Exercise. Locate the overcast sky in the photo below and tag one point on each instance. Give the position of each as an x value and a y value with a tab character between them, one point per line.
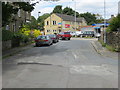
82	6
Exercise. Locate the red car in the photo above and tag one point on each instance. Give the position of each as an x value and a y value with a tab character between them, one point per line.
64	35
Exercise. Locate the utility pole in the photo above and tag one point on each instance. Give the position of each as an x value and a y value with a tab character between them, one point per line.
75	14
104	21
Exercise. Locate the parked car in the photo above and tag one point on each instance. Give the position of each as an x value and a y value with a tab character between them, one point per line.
65	35
88	34
78	33
54	38
43	40
97	35
72	34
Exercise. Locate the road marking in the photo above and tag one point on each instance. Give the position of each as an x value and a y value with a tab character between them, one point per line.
75	56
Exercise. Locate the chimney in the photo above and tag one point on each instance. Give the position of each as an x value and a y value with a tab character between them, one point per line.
112	16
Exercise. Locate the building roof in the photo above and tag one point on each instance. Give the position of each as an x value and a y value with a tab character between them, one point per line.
69	18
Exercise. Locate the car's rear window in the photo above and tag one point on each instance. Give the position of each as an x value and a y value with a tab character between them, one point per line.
66	32
41	37
52	36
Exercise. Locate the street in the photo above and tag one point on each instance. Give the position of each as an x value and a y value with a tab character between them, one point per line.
66	64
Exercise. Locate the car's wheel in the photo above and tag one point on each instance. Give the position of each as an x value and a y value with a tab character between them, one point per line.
36	45
68	38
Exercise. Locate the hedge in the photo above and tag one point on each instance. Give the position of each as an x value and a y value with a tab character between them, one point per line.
7	35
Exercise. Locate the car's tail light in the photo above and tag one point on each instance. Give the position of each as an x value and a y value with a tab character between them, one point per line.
52	38
45	40
36	40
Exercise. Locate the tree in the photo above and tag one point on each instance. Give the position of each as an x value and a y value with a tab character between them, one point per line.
41	19
33	24
57	9
70	11
7	11
90	18
12	8
114	24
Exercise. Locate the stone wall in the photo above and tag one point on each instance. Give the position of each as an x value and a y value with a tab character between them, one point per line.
6	45
113	39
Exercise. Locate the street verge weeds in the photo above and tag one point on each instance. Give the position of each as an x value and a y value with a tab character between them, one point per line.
104	51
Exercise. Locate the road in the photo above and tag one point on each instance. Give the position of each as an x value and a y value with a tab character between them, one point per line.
67	64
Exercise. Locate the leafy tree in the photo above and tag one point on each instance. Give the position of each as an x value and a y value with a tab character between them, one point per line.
70	11
41	19
10	8
33	24
7	11
57	9
114	24
90	18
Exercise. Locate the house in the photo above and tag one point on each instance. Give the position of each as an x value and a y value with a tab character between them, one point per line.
18	19
57	23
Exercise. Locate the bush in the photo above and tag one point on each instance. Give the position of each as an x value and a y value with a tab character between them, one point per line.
7	35
21	37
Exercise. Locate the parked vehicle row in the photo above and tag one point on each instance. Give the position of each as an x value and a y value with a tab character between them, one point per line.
52	38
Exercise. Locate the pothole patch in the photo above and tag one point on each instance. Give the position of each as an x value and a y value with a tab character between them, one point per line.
33	62
37	63
90	69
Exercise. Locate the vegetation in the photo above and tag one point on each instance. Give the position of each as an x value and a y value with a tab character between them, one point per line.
110	48
33	24
8	10
7	35
114	24
57	9
41	19
90	18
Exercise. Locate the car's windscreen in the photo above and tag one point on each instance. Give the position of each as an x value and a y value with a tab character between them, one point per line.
66	32
41	37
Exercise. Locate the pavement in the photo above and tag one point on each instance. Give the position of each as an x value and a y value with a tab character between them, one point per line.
104	51
66	64
15	50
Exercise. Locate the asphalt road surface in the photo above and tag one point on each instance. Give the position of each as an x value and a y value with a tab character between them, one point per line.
67	64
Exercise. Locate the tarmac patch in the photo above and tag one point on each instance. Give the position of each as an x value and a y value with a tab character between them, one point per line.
90	69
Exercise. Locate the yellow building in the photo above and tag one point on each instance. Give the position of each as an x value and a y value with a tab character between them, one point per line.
57	23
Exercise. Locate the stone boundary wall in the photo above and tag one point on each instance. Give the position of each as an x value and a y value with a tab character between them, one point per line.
113	39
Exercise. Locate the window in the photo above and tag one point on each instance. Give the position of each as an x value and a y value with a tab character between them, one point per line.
54	30
48	30
47	23
54	22
19	14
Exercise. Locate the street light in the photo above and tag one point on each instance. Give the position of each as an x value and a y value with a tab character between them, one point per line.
75	14
104	21
38	18
38	14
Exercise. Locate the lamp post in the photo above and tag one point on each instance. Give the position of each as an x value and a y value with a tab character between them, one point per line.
75	14
38	14
104	21
38	18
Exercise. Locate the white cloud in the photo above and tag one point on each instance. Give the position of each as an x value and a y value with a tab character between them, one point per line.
93	6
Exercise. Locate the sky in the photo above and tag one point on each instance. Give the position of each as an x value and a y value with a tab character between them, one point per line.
82	6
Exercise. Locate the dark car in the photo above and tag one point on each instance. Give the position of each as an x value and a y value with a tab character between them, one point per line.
64	35
43	40
54	38
88	34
